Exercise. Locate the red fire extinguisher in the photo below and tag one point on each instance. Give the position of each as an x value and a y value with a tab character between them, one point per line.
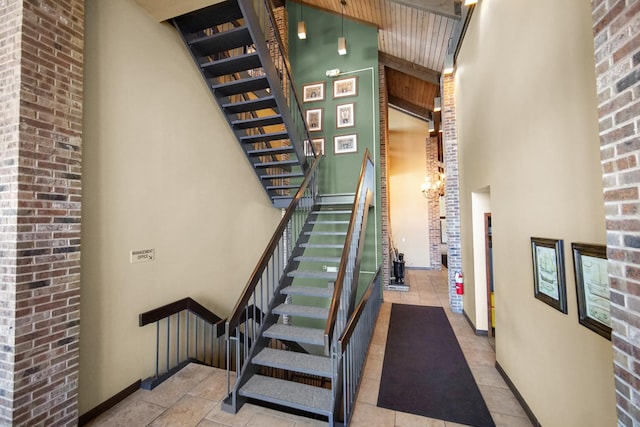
459	283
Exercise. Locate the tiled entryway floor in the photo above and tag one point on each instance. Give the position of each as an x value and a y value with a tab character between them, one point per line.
192	396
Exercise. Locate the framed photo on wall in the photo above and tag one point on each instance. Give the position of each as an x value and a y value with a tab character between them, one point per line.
314	119
345	144
313	92
318	147
548	272
592	286
345	115
345	87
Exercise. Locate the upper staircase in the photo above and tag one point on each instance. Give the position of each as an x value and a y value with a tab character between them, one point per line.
239	53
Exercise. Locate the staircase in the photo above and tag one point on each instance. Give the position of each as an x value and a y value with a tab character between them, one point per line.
240	57
299	318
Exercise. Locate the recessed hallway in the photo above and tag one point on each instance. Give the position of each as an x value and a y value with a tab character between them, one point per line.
192	397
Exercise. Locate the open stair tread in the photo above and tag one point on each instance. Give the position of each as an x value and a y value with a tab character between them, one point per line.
231	65
276	163
255	122
209	17
296	333
329	222
302	311
321	246
287	393
223	41
294	361
272	136
249	84
309	291
284	175
250	105
330	212
313	274
275	150
325	233
335	260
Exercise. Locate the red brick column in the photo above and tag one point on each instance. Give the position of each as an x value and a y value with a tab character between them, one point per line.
452	187
617	52
41	48
433	203
384	175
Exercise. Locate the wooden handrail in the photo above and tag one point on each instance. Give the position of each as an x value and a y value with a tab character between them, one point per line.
170	309
357	313
238	310
337	291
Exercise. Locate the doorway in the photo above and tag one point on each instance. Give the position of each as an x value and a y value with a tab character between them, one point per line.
488	244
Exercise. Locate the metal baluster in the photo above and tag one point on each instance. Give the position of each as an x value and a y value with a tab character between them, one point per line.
157	346
178	338
168	340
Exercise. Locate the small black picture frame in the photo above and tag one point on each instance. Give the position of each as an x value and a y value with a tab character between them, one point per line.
549	283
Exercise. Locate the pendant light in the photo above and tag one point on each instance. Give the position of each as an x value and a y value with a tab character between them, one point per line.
342	42
302	28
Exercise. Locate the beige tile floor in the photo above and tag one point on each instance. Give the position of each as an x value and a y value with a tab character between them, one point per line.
192	397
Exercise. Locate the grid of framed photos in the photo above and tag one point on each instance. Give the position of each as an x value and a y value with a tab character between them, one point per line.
345	115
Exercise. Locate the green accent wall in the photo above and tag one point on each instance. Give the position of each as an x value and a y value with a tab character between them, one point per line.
310	59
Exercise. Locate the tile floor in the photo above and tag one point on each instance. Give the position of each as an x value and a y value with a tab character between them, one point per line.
192	396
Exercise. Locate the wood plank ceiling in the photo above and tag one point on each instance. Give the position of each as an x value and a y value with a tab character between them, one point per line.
413	39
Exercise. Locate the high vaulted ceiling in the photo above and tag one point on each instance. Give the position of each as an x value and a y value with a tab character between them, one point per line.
414	37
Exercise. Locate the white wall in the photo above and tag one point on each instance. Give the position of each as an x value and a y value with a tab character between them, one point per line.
528	129
407	171
161	170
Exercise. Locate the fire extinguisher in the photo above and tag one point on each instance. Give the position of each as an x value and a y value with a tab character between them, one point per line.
459	283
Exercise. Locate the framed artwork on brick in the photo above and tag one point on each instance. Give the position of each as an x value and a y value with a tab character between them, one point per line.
592	287
549	283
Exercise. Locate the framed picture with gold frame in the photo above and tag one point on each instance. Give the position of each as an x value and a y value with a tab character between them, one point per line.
314	119
345	87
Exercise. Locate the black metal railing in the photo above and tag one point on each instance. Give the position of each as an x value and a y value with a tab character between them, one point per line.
185	332
354	343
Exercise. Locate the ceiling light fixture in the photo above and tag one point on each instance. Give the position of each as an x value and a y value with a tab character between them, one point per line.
302	28
342	42
470	2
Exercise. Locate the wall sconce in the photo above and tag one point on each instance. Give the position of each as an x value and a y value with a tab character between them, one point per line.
342	42
437	104
431	189
432	127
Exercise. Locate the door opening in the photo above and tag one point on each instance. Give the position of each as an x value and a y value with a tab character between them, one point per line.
491	330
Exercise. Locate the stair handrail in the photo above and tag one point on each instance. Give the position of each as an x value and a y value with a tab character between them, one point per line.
297	114
199	325
354	343
237	312
361	204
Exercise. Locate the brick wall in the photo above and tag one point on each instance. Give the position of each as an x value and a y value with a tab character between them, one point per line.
433	203
452	187
384	175
40	196
616	32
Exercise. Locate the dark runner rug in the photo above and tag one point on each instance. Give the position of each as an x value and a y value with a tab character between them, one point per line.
425	372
